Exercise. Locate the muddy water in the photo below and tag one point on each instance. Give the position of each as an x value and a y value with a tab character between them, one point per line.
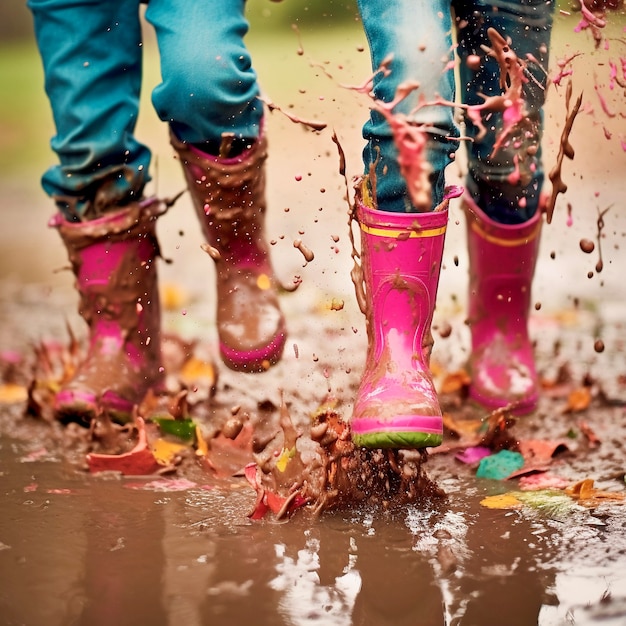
77	549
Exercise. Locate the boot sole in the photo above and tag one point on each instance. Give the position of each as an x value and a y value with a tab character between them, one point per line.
254	361
410	432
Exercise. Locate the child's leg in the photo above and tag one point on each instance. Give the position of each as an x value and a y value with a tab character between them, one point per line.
209	98
502	204
527	24
208	87
91	54
418	36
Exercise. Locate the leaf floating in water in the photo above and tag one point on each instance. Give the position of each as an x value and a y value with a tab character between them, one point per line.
139	461
500	466
587	495
502	501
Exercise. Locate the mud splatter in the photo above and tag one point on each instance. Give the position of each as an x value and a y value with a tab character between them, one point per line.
565	150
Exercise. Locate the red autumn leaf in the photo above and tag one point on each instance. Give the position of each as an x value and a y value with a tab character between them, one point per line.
139	461
268	500
226	456
592	438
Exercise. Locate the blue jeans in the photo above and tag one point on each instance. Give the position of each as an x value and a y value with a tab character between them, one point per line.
419	35
92	58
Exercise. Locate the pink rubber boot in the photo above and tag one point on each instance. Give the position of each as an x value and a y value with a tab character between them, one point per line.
114	261
502	265
396	405
229	197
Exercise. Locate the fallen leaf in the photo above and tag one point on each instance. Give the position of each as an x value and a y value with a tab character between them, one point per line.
541	449
473	454
139	461
500	465
502	501
173	296
268	500
165	452
587	495
196	372
202	447
545	480
455	381
578	400
10	393
592	438
184	429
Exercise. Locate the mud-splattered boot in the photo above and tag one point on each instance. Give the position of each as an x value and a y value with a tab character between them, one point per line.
229	197
502	265
114	261
396	404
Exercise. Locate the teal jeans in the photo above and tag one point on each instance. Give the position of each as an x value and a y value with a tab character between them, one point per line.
92	58
419	36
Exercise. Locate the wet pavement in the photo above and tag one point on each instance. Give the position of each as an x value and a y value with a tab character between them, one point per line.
81	549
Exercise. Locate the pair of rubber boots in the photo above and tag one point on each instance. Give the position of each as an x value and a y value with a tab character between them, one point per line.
114	261
401	253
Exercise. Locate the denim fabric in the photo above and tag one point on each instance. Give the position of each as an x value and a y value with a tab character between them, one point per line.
92	59
419	35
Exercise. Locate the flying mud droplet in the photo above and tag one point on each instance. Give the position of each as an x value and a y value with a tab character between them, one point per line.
537	306
444	330
587	246
473	62
232	427
307	253
214	253
336	304
598	346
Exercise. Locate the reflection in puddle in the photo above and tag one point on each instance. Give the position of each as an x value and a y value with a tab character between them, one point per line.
82	550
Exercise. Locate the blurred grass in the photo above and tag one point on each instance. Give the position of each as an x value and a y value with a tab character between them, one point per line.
26	124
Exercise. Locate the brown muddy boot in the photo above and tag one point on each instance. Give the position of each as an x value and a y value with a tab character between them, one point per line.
114	261
229	197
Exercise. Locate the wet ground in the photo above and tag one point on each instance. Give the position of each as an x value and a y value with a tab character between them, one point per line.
82	549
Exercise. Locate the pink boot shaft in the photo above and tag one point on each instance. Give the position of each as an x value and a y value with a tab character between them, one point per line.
396	405
502	265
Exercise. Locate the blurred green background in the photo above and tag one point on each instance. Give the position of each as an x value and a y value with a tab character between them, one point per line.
25	120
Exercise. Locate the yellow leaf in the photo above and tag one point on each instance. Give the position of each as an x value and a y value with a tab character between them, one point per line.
455	381
196	371
579	399
202	448
588	495
11	393
165	451
502	501
285	456
173	297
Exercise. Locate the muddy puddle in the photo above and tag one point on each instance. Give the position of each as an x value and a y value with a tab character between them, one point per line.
79	548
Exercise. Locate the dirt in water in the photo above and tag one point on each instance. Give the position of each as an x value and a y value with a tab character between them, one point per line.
180	546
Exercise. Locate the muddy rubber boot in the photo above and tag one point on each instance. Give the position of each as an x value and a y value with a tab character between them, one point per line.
396	405
229	197
502	266
114	261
